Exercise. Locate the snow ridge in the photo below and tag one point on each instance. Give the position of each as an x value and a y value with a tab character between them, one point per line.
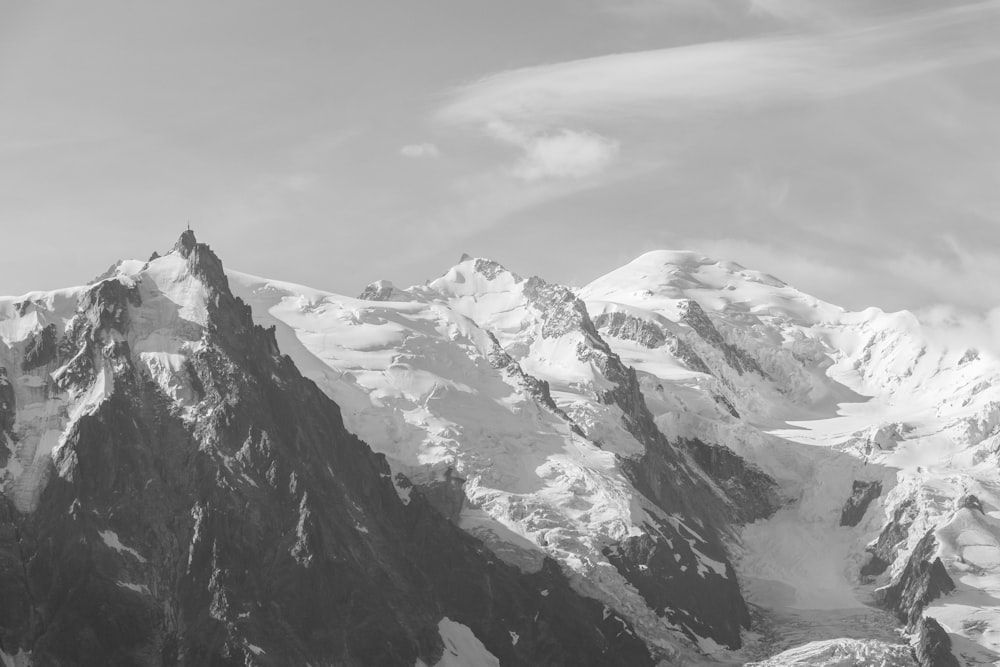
517	405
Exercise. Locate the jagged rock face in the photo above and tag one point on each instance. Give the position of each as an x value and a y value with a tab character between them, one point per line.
925	398
969	501
703	605
754	494
883	551
932	647
713	606
223	515
8	403
490	269
921	581
563	312
616	324
620	325
445	495
41	348
532	335
727	405
652	335
656	564
538	389
694	316
683	492
862	495
683	351
380	290
182	496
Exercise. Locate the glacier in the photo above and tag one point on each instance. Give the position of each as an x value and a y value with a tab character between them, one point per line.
526	413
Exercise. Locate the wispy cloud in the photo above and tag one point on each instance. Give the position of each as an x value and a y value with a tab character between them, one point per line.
963	328
965	279
420	150
758	71
476	203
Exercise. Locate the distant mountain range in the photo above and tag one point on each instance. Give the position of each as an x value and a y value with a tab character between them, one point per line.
684	462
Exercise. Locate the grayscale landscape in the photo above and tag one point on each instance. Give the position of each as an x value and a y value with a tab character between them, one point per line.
466	334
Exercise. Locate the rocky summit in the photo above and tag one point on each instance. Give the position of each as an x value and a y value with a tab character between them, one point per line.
684	462
192	499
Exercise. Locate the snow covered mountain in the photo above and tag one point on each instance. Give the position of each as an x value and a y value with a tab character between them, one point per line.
499	395
741	374
175	492
849	412
684	462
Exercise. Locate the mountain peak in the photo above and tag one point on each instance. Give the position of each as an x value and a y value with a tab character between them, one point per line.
690	262
684	258
476	276
202	262
382	290
186	243
484	266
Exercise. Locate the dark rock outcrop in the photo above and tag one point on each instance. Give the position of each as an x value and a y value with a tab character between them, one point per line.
921	581
18	614
971	502
885	548
259	532
561	311
537	389
41	348
668	472
651	336
627	327
703	604
8	403
694	316
534	387
727	405
381	290
932	647
753	492
490	269
445	494
663	562
681	349
862	495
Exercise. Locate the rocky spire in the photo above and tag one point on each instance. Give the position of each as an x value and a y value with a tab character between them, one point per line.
219	536
186	243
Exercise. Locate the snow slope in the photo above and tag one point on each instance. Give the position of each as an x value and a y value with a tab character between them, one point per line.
818	397
414	379
840	396
486	387
167	322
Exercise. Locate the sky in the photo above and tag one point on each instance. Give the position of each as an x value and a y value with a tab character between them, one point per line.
850	148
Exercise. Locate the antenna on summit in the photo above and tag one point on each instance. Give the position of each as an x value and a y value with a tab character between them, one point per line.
189	224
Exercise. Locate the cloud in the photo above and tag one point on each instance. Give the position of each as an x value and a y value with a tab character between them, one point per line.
739	74
966	278
566	154
879	275
420	150
559	154
962	328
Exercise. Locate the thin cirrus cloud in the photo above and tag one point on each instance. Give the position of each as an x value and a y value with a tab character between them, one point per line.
874	126
667	82
425	150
